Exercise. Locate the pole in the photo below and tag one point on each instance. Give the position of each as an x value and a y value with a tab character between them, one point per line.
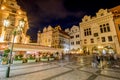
10	56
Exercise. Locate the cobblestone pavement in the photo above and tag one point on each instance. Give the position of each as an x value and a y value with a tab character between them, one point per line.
79	69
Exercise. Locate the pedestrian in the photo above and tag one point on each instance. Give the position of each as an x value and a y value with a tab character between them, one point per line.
98	59
94	61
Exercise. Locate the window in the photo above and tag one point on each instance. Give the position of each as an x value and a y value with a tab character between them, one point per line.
87	32
108	27
85	41
105	28
95	34
7	37
14	11
77	36
92	40
72	37
76	30
101	30
109	38
103	39
90	31
119	27
77	42
102	14
72	43
12	18
12	4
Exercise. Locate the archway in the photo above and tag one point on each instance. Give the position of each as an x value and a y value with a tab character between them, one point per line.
109	50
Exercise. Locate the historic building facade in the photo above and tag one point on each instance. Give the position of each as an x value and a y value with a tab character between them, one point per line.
54	37
74	33
45	38
116	13
98	33
11	18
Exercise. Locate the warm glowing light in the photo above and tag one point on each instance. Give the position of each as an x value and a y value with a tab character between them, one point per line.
100	47
3	7
49	45
21	23
2	39
19	12
6	22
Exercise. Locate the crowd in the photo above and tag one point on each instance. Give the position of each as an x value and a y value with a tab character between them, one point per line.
101	61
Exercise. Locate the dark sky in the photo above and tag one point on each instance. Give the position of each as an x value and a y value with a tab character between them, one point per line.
65	13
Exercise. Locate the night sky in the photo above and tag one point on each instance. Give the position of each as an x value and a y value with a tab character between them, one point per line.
65	13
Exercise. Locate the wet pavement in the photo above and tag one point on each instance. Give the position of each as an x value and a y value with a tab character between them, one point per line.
71	68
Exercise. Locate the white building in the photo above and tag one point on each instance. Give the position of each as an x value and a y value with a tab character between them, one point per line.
98	33
74	33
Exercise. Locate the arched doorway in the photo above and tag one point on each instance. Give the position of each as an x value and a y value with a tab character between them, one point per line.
109	50
95	49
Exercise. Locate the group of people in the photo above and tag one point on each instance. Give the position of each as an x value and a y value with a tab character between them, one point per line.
100	60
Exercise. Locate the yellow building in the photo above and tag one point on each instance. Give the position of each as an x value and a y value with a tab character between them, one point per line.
11	17
116	13
54	37
45	38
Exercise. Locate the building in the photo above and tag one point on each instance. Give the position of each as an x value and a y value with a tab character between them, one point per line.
54	37
116	13
74	33
11	18
98	33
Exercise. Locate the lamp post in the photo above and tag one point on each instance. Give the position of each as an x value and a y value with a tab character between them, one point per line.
15	32
6	23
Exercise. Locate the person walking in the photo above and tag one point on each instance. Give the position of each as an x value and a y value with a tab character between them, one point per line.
94	61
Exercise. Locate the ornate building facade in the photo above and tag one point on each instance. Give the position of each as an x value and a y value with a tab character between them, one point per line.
98	33
116	12
11	18
74	33
54	37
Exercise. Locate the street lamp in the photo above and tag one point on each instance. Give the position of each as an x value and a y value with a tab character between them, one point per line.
6	23
15	32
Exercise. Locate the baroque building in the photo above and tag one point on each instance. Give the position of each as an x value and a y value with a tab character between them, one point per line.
98	33
74	33
54	37
12	13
